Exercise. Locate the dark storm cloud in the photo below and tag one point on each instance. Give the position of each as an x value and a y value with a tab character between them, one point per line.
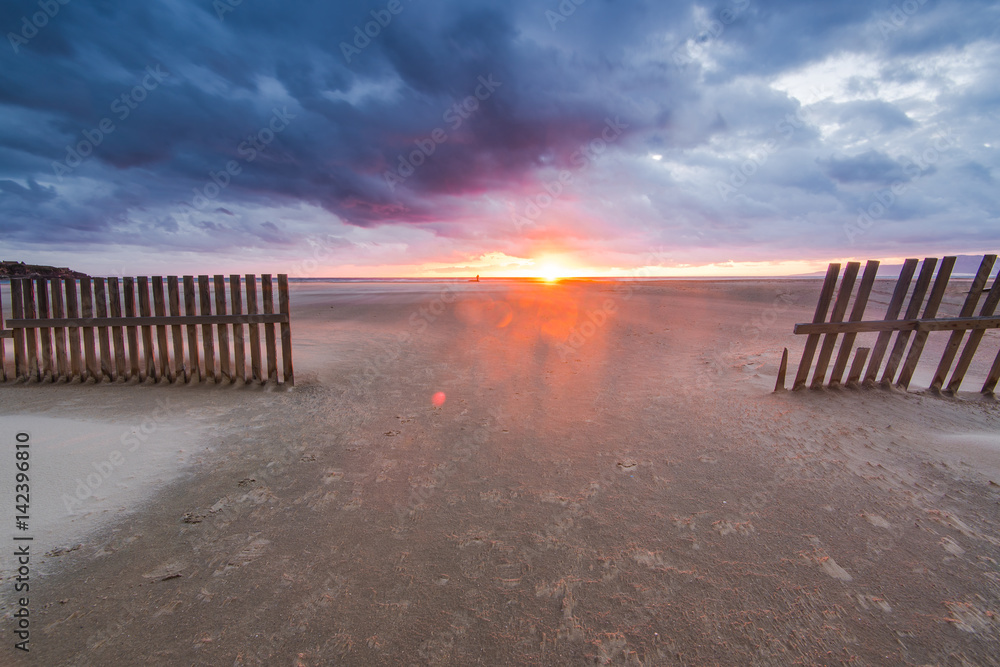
121	115
869	167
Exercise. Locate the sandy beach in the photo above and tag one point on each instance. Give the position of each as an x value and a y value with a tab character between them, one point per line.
517	472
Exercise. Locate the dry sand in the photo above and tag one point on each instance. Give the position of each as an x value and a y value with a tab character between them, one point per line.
625	492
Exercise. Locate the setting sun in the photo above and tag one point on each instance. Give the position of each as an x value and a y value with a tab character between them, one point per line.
550	268
550	273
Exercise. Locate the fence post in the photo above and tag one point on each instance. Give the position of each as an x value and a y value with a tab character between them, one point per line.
891	313
839	310
912	310
267	290
87	308
103	334
254	329
207	333
192	329
17	311
969	307
132	332
286	329
821	307
173	295
857	314
933	303
239	351
3	349
149	354
58	312
989	307
159	308
44	333
117	333
220	309
73	311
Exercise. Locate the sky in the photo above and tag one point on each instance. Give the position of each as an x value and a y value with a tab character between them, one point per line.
446	138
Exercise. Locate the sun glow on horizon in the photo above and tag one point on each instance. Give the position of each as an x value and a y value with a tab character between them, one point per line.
550	273
551	270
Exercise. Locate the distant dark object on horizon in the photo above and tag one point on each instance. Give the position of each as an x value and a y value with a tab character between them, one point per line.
10	269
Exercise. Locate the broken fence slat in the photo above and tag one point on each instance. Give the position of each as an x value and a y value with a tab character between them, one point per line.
857	312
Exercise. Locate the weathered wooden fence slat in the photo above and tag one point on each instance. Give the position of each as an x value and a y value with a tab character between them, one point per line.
839	310
286	329
149	354
272	352
105	329
132	332
220	309
829	284
17	310
159	307
117	333
251	283
173	295
42	294
3	351
989	307
912	330
207	333
912	310
968	308
891	313
58	311
859	363
103	333
239	351
72	311
920	339
857	312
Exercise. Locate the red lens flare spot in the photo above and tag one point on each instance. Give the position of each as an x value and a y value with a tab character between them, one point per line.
438	399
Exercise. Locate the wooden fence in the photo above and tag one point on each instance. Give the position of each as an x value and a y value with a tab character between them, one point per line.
91	328
918	321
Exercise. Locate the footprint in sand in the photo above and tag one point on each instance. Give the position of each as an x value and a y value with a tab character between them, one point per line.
248	554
